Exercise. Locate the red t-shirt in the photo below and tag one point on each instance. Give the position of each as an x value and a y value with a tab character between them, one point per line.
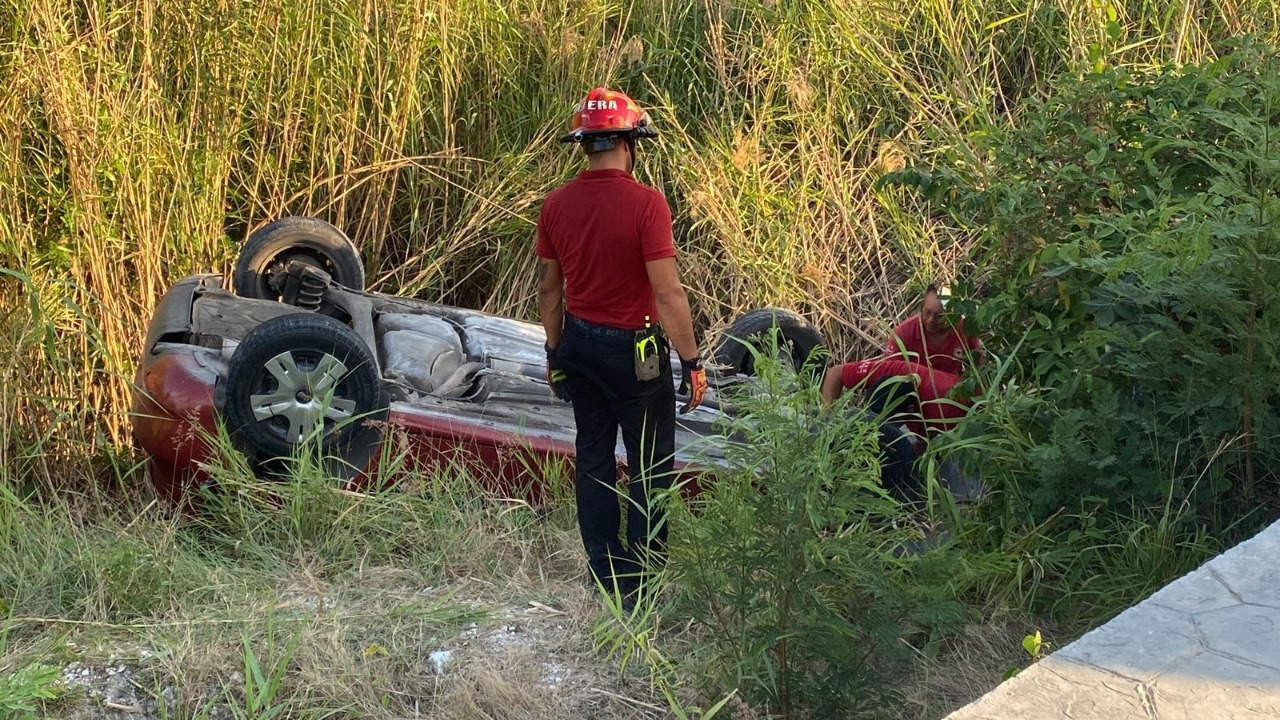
603	227
938	410
949	356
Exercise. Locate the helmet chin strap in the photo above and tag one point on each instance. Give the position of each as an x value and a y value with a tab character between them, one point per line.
631	155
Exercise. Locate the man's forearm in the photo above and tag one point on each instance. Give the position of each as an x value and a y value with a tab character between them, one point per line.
832	384
551	309
677	322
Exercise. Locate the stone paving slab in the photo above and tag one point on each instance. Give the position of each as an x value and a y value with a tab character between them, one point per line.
1205	647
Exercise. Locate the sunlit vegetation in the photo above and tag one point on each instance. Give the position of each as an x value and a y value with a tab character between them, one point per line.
140	142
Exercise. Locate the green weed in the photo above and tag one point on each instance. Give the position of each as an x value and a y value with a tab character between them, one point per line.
20	691
260	693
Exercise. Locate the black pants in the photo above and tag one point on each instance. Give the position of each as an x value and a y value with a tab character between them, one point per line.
893	399
600	366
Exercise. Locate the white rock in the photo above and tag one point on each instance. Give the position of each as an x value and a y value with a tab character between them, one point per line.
439	659
554	675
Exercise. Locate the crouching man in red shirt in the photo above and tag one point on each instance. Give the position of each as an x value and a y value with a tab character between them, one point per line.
929	337
924	357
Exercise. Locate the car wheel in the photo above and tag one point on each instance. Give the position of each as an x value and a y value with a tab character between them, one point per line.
300	378
797	341
271	248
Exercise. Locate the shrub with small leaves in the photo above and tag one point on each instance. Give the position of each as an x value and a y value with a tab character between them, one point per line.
791	562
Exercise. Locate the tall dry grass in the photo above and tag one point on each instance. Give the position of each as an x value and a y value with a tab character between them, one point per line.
140	141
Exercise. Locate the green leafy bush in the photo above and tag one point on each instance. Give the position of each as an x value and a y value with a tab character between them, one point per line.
793	563
1128	261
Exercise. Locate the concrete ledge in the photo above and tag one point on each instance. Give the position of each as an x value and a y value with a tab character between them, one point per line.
1205	647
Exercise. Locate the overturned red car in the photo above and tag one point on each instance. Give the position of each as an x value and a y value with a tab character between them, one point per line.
291	350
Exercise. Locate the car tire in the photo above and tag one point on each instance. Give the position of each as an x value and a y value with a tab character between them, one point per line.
270	249
751	332
298	376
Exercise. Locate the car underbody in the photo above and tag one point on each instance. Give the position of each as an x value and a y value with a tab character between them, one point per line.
466	381
290	352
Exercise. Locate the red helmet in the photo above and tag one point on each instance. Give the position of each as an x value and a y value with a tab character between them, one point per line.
605	115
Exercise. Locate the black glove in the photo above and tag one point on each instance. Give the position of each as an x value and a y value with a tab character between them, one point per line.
693	380
556	377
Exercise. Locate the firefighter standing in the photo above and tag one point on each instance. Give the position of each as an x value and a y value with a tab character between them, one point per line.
607	275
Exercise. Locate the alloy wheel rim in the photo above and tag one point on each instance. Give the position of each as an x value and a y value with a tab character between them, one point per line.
303	402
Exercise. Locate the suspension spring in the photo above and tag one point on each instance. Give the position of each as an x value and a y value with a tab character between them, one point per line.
310	291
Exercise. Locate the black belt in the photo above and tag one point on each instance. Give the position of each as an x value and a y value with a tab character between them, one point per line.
601	330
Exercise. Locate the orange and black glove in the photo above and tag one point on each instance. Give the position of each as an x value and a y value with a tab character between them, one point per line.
556	377
693	380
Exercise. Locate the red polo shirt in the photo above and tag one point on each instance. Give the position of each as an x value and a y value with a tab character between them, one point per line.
603	227
949	356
